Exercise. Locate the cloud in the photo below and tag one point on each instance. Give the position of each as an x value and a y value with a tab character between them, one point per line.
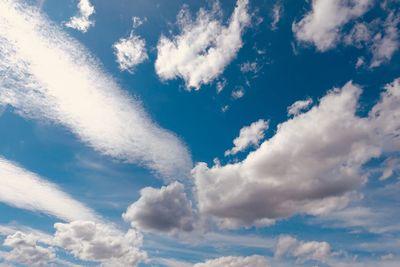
385	45
81	21
312	250
49	76
323	24
249	136
277	11
200	53
231	261
92	241
297	107
281	178
130	51
162	210
26	250
26	190
239	93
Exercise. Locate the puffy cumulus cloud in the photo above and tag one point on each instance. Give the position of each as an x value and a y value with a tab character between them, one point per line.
26	250
131	51
312	250
249	136
162	210
203	49
238	93
231	261
297	107
48	75
26	190
92	241
81	21
312	165
323	24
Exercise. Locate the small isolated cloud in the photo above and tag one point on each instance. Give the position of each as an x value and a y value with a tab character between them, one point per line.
82	21
51	77
130	52
26	250
249	136
281	179
92	241
162	210
302	251
322	26
249	67
239	93
297	107
200	53
277	11
232	261
221	85
26	190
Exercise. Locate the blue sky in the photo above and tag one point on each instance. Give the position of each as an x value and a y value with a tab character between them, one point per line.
199	133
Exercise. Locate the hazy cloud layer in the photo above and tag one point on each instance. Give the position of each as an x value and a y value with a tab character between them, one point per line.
26	190
231	261
50	76
204	47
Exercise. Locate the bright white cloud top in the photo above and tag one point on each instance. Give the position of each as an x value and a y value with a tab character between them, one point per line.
203	49
47	75
282	178
249	136
130	52
232	261
26	190
82	21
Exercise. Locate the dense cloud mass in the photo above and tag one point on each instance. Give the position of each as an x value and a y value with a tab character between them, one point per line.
311	165
91	241
231	261
162	210
203	49
47	75
130	52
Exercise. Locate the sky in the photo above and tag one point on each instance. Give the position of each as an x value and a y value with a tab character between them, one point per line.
242	133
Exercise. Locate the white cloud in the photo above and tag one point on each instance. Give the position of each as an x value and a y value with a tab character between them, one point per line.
50	76
277	11
312	250
130	52
281	178
297	107
249	136
323	24
232	261
386	44
239	93
221	85
137	22
162	210
81	21
249	67
23	189
203	49
26	250
92	241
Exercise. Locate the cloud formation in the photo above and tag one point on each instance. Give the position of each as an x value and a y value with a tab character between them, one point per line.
281	178
323	24
303	251
232	261
92	241
200	53
26	190
162	210
130	52
249	136
297	107
82	21
49	76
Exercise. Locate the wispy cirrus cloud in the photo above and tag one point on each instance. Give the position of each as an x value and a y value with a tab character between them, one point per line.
47	75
